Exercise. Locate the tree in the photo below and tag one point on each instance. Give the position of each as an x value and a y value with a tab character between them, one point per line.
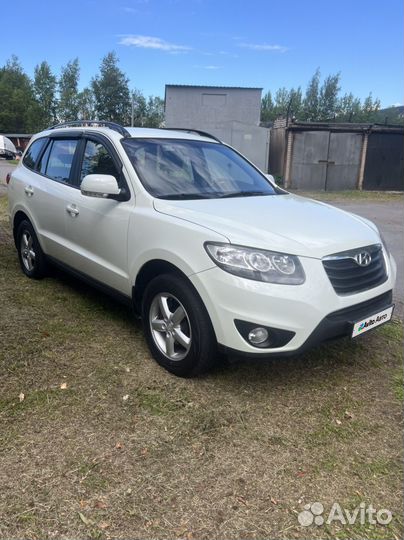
139	108
349	108
370	108
68	108
86	104
154	112
311	99
281	104
111	91
328	102
45	94
267	108
19	112
295	102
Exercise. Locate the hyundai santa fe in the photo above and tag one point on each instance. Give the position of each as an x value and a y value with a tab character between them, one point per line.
209	251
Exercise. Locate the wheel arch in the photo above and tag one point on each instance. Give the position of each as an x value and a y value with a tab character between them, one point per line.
149	271
19	217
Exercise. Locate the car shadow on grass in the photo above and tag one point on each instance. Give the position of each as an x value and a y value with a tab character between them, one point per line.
325	364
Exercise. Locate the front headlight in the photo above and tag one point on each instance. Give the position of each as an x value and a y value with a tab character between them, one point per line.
257	264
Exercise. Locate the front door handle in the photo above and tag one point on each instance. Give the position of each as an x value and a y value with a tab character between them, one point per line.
72	210
29	191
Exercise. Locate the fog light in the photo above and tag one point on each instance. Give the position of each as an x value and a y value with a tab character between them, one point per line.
258	336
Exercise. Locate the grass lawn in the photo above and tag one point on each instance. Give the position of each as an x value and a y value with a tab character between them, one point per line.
97	441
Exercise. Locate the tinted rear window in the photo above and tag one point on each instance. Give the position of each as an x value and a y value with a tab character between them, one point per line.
31	157
61	159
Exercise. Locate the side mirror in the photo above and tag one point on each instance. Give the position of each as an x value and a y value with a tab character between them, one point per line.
271	178
100	185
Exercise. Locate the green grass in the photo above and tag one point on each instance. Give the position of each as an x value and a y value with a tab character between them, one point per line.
140	453
398	383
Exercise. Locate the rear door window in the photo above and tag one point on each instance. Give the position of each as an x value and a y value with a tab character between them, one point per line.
60	161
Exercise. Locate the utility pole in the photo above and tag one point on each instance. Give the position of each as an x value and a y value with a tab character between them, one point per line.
132	120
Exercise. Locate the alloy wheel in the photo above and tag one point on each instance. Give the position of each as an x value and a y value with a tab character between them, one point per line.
27	251
170	326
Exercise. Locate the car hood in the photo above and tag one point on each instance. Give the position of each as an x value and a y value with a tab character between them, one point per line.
285	223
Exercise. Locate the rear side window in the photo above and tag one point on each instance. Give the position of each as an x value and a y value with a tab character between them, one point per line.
43	162
33	152
60	159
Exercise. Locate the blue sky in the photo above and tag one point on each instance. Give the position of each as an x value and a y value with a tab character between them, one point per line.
265	43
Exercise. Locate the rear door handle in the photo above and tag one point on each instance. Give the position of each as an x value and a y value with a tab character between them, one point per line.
29	191
72	210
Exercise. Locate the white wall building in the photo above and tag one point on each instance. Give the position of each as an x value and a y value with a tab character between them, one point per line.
230	113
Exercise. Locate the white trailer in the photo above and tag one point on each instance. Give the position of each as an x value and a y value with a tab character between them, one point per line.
7	148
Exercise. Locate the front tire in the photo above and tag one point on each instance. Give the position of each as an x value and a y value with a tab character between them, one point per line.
32	258
177	326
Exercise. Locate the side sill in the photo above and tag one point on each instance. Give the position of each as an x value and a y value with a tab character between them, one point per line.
109	291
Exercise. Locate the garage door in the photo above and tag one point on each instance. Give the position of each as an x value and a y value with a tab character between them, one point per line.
325	161
384	168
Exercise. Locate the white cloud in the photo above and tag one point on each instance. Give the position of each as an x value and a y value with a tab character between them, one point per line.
151	42
264	47
210	66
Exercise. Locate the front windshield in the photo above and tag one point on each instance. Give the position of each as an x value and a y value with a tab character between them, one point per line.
181	169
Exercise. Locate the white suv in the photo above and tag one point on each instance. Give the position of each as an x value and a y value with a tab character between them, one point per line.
208	250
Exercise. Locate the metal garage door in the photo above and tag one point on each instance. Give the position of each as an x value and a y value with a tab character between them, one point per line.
325	161
343	161
384	167
309	160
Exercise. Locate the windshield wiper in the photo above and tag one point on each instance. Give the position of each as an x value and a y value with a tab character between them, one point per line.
243	194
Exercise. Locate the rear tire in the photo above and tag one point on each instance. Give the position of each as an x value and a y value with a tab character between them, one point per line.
32	258
177	326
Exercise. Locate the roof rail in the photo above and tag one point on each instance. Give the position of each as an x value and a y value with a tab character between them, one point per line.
189	130
93	123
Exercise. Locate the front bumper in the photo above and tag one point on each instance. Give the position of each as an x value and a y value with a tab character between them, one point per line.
335	325
313	312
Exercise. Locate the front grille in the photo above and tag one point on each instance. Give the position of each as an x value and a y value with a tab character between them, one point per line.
348	277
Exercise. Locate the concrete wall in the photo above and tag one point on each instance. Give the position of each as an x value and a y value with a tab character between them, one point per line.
252	142
231	114
191	106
